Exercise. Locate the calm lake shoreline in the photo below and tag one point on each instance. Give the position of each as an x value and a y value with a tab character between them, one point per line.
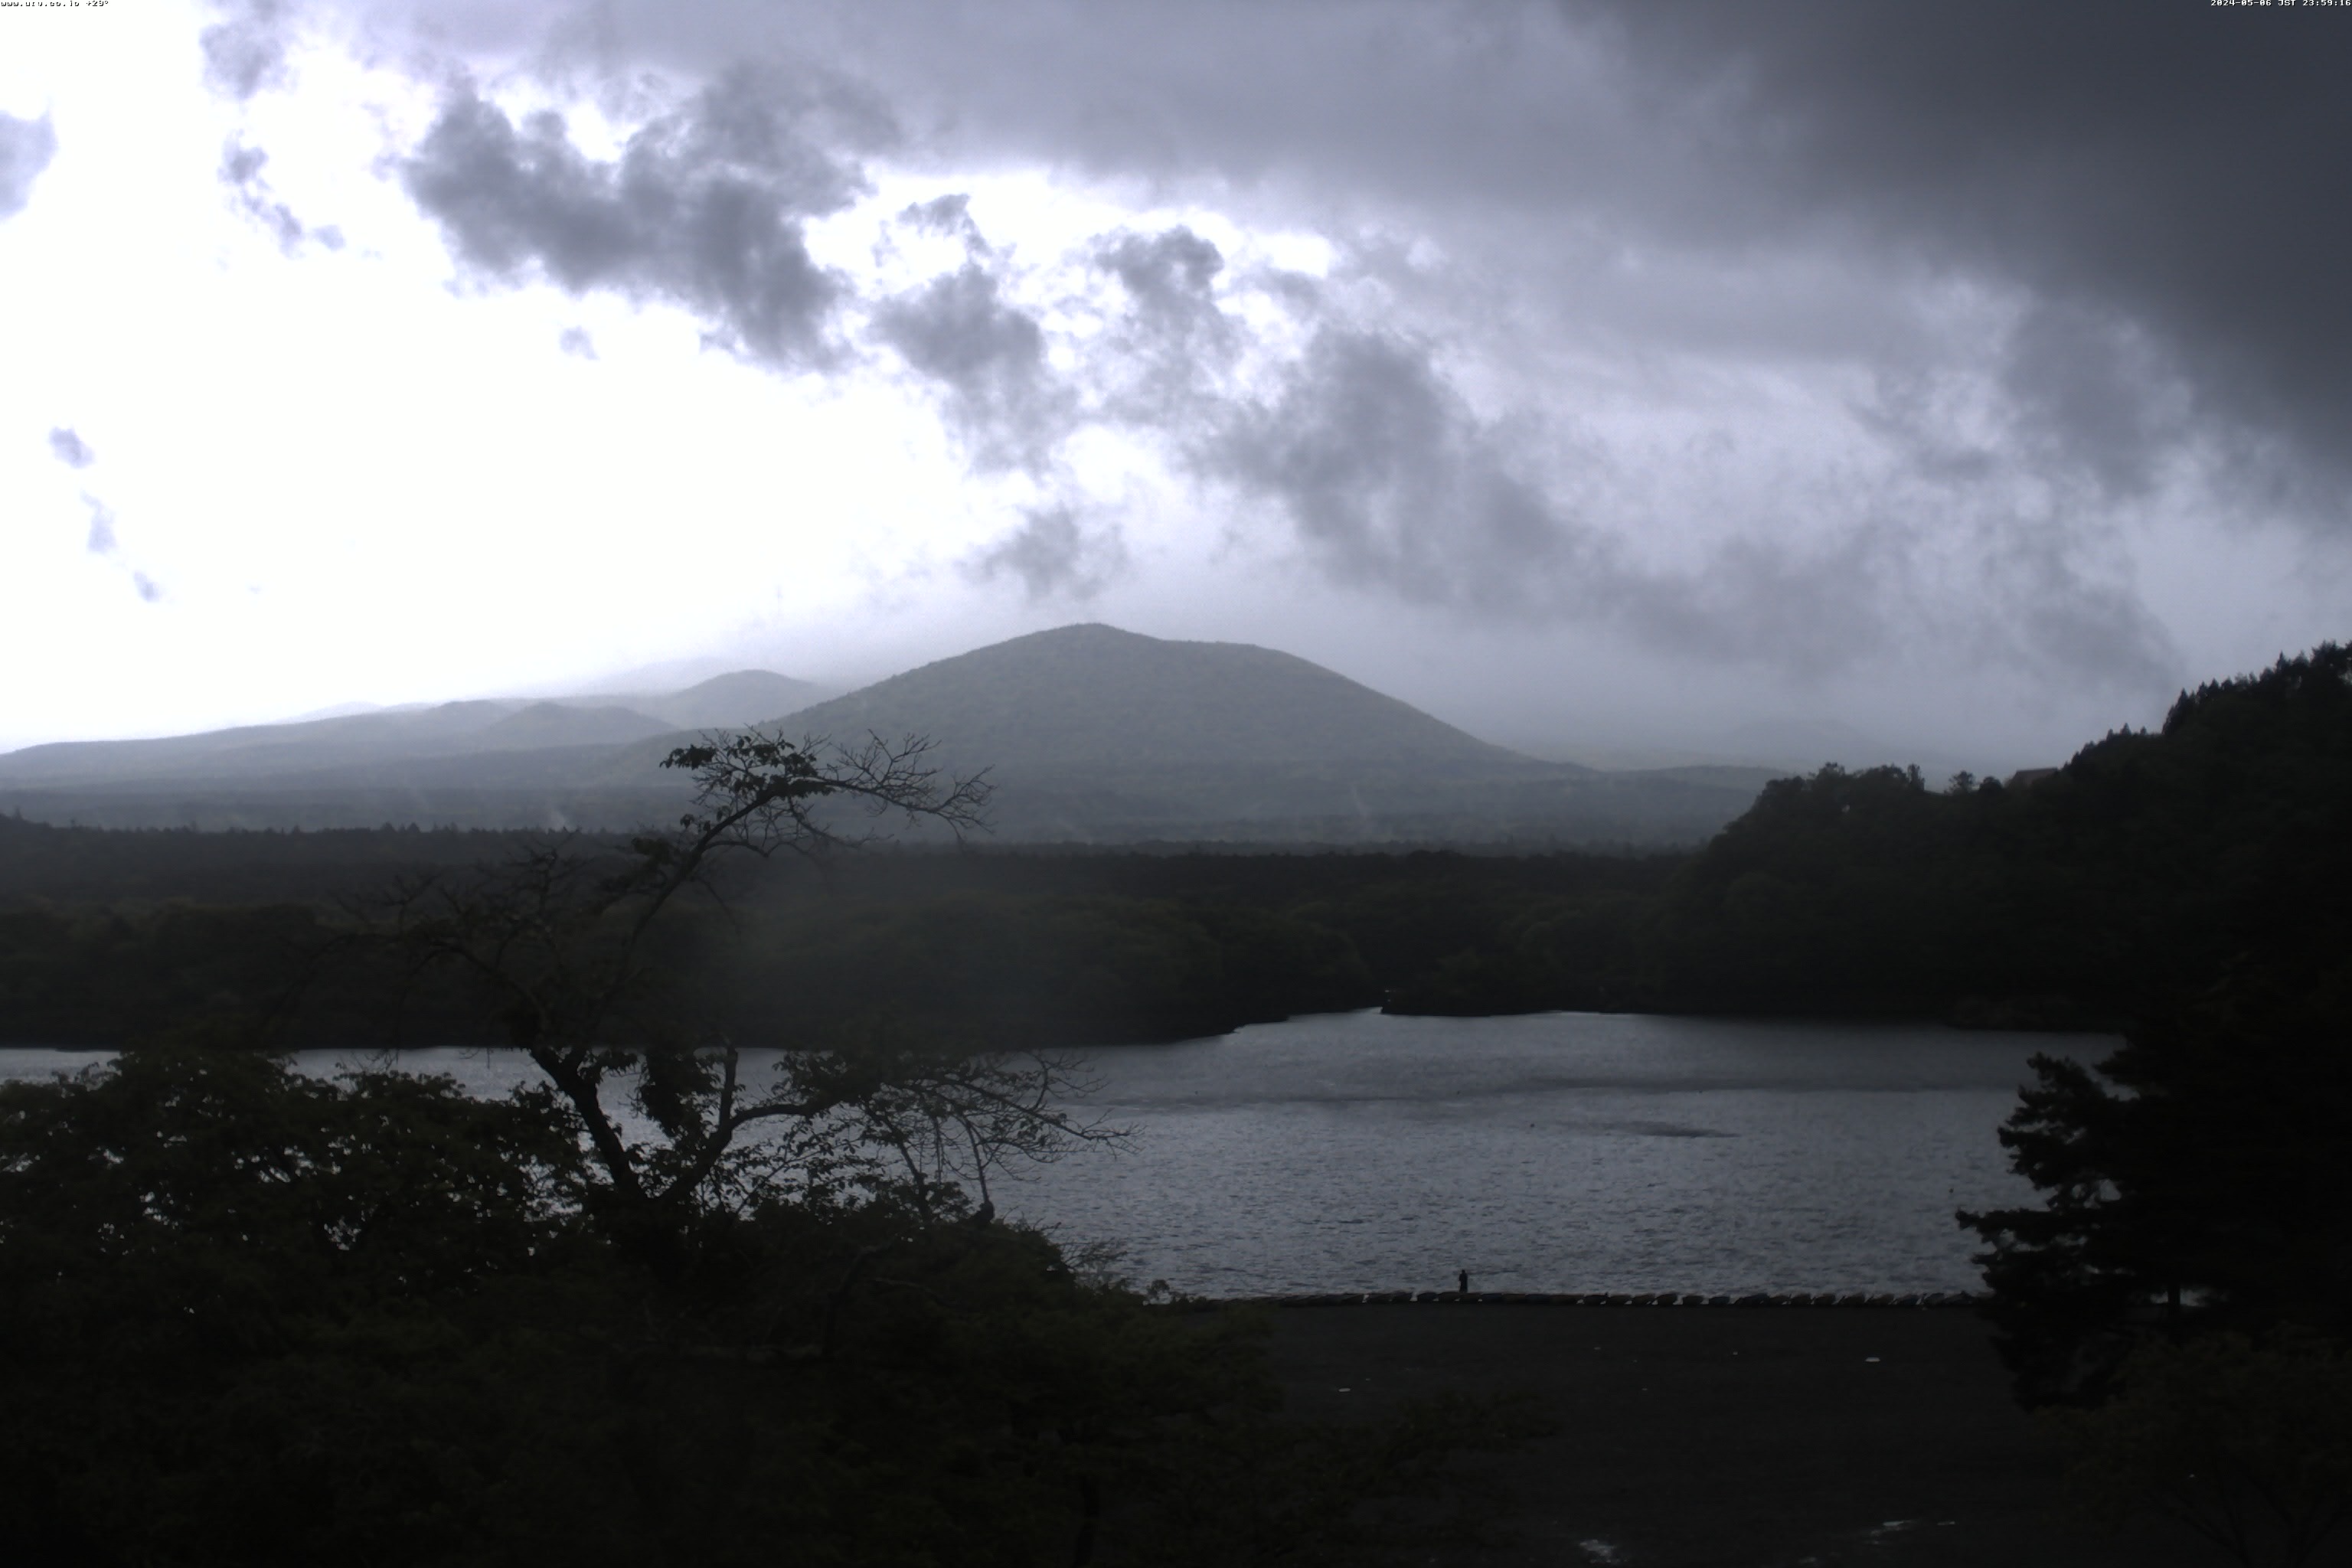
1563	1154
1550	1153
1988	1023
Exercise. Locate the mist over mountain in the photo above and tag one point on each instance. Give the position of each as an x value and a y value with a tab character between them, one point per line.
386	739
260	751
733	701
1801	745
1093	695
501	762
1091	734
544	724
389	736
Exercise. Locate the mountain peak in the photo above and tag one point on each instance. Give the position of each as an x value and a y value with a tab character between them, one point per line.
737	698
1095	695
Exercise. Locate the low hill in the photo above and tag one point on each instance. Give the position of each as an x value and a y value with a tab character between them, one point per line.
396	745
1091	734
1093	696
259	750
741	697
544	724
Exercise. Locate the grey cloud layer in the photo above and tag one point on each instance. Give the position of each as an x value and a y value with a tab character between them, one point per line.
2171	173
1390	481
1055	552
26	148
2176	170
2138	208
705	205
2180	163
1393	481
988	359
1358	446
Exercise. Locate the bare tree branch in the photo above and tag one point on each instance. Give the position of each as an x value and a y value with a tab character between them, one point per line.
554	944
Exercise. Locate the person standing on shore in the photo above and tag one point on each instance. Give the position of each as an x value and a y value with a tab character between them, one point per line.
1462	1281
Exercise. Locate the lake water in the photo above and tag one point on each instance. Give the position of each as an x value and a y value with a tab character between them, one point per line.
1559	1151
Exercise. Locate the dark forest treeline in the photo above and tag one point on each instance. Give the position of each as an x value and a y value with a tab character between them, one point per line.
2151	859
2151	865
176	932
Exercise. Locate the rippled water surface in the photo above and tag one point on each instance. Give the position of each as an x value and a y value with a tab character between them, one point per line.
1561	1152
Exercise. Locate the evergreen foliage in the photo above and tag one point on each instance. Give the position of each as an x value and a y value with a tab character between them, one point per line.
2204	1186
255	1317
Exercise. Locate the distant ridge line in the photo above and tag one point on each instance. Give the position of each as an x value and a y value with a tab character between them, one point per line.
1914	1300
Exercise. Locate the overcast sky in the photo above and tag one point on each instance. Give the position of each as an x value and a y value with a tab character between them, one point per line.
1592	374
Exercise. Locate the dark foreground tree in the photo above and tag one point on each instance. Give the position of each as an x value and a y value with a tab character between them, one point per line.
653	1309
2199	1180
250	1317
2182	1299
2247	1443
241	1309
566	946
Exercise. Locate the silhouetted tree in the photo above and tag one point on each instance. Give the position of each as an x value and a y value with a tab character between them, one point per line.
2204	1185
2246	1442
251	1316
563	945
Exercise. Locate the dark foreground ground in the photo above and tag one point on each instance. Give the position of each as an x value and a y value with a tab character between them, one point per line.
1755	1437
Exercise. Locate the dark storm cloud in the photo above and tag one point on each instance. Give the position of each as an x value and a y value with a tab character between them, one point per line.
246	51
1390	481
68	446
2178	166
1171	276
1809	610
2088	388
2177	169
2062	620
987	357
26	148
705	207
1175	336
984	354
1054	553
1393	483
1707	195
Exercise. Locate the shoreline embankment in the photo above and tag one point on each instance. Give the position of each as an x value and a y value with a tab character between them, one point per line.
1912	1300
